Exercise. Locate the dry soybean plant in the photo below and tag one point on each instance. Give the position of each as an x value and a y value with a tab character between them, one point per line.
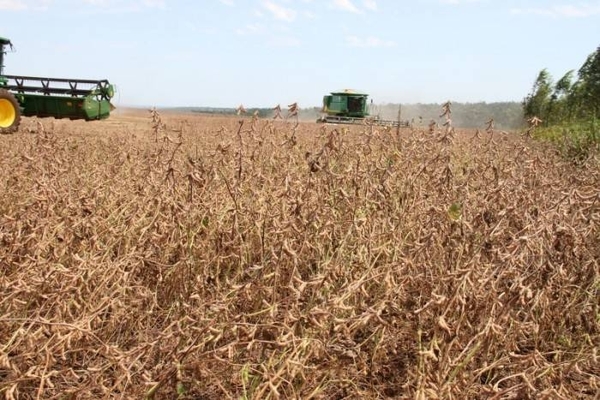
356	263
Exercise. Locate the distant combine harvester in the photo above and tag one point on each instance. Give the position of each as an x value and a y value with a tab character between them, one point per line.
351	107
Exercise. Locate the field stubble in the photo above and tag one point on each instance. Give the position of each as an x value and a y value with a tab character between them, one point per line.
196	257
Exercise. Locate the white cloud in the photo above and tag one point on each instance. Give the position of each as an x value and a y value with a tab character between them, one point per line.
125	6
346	5
371	41
285	41
250	29
227	2
457	2
279	12
154	3
12	5
370	5
557	11
20	5
100	3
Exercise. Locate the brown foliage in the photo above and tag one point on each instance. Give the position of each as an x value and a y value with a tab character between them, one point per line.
280	260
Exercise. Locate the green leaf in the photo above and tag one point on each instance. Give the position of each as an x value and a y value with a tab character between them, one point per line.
455	211
180	389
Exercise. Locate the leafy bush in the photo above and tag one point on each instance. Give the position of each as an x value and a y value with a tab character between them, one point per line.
577	141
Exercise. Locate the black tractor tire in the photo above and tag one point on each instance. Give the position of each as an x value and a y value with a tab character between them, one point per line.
10	112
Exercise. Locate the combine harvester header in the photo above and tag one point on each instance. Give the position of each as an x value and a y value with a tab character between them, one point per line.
30	96
352	107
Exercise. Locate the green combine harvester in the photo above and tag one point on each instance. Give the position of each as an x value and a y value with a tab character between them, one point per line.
351	107
50	97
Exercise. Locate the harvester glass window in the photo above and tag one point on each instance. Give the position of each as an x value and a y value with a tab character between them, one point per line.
356	104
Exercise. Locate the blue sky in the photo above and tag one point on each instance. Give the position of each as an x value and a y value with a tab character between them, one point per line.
261	53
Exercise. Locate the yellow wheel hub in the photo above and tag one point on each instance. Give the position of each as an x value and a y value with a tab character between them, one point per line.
8	113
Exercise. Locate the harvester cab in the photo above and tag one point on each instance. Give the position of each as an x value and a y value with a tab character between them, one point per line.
345	106
87	99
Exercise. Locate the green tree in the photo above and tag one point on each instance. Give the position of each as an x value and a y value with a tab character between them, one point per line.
537	103
564	84
560	107
589	84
